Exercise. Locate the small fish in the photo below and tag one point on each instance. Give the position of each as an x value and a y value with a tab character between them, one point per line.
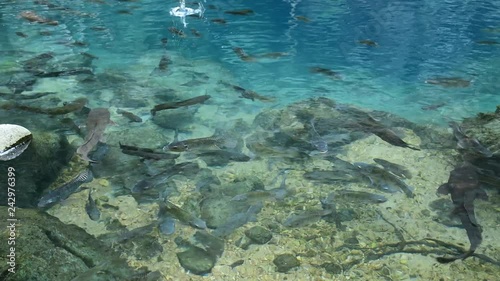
467	143
61	193
331	176
219	21
394	168
273	55
129	115
184	216
302	18
197	143
242	12
195	32
91	208
33	17
327	72
238	220
124	12
98	28
488	42
391	137
146	153
164	62
177	32
383	180
306	217
352	196
242	54
21	34
449	82
173	105
251	95
160	178
433	106
164	41
368	42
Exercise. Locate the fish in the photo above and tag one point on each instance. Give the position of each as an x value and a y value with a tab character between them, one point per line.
146	153
383	180
216	141
276	194
433	106
302	18
61	193
331	176
488	42
319	143
184	216
195	32
33	17
368	42
164	62
273	55
97	121
177	32
162	177
242	12
327	72
91	208
469	144
219	157
238	220
73	106
463	187
352	196
251	95
306	217
129	115
173	105
21	34
391	137
242	54
449	82
394	168
219	21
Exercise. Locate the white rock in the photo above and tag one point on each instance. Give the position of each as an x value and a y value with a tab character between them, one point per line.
14	139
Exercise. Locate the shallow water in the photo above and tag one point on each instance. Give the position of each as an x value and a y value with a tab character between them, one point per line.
385	57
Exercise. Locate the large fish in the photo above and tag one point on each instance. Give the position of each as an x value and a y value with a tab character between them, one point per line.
463	186
63	192
97	121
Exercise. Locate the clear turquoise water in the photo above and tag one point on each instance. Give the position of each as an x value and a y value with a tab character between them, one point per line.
416	41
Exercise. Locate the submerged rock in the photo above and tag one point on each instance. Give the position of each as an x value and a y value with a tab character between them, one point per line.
196	260
52	250
285	262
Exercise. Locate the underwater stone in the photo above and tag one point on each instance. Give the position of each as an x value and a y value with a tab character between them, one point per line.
285	262
259	235
15	139
332	268
52	250
196	260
